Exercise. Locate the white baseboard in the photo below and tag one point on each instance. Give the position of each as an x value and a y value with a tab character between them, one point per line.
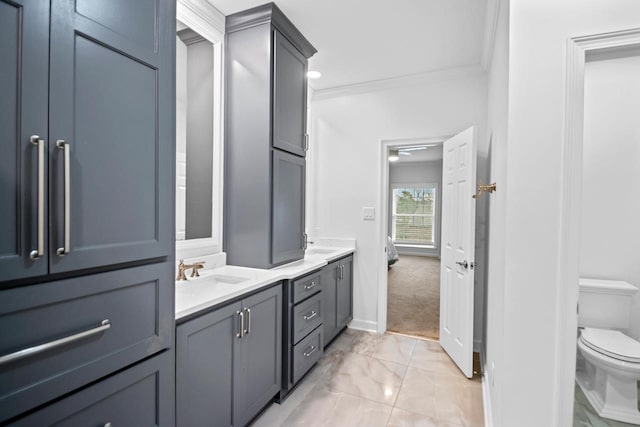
364	325
486	392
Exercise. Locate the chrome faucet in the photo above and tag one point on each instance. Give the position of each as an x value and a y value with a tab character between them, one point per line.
182	267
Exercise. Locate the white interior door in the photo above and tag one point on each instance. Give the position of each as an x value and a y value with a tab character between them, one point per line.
458	243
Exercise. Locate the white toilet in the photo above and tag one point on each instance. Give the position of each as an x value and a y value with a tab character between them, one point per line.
611	371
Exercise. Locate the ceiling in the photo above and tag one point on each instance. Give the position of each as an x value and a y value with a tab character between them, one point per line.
368	40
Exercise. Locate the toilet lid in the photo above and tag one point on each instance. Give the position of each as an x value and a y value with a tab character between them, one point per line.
612	343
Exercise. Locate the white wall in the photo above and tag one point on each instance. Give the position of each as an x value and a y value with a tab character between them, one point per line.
347	128
497	171
418	173
610	230
528	370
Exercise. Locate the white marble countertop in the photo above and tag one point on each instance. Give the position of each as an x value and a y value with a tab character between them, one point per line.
218	285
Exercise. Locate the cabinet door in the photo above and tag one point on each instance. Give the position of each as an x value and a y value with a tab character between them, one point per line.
289	96
329	283
207	361
261	354
112	107
345	293
288	208
24	49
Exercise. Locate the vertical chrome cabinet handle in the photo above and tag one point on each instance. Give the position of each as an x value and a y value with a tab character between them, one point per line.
63	145
306	142
39	142
240	333
248	330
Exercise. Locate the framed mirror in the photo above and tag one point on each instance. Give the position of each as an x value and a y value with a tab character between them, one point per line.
199	50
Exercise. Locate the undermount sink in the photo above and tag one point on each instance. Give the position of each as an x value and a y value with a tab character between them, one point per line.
318	251
225	280
213	278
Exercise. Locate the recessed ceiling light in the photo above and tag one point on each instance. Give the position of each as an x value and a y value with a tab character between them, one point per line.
314	74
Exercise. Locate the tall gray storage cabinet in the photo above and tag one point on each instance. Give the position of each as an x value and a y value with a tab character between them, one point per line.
87	129
265	141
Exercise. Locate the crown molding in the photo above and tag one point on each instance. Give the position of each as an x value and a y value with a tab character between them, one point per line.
490	28
270	14
399	82
201	16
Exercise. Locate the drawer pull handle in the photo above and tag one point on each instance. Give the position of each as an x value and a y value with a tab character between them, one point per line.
310	351
310	286
104	325
310	315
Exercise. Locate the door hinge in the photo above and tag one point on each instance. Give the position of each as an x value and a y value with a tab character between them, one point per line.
473	265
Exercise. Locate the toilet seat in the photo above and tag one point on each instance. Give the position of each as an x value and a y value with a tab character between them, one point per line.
612	343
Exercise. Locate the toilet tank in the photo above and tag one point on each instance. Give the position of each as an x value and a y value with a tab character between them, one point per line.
605	303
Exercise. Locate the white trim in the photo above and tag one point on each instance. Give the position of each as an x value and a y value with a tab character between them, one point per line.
383	208
490	29
398	82
203	18
206	20
570	192
486	392
364	325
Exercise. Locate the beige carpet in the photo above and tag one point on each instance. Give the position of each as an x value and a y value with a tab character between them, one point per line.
413	297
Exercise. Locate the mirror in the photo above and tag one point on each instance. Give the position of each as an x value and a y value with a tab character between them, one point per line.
195	100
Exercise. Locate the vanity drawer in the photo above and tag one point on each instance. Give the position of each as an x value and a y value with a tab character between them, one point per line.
139	396
306	286
306	353
307	316
79	330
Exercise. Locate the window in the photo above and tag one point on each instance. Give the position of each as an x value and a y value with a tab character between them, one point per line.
414	214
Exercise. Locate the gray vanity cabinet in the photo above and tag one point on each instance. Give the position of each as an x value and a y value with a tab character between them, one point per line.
265	114
207	361
86	134
228	361
344	292
337	291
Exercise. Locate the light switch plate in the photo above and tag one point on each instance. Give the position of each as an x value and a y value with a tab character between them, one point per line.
368	214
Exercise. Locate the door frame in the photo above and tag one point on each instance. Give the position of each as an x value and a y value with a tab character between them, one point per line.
383	209
578	50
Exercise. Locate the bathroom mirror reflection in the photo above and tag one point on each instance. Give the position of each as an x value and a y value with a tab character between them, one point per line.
194	134
608	356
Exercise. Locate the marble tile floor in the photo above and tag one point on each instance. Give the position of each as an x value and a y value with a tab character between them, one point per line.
371	380
585	416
